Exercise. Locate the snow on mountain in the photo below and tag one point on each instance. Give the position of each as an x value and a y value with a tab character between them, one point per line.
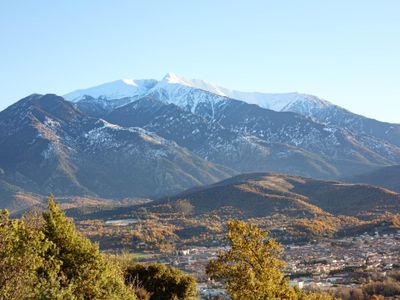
172	78
217	144
113	90
198	95
310	106
183	93
273	101
173	88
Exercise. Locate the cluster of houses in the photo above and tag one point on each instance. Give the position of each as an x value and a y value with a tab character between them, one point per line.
328	262
343	261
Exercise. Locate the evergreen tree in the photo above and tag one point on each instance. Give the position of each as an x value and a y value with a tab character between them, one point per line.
22	246
83	269
46	258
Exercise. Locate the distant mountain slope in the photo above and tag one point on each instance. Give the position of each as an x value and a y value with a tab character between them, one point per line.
149	138
37	140
350	150
14	198
387	177
280	127
261	194
217	144
100	107
340	150
138	163
50	147
336	116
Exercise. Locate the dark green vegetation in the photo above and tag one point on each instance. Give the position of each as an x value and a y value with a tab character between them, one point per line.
161	282
44	257
306	208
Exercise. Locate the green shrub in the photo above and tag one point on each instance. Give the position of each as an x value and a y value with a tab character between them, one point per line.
162	282
46	258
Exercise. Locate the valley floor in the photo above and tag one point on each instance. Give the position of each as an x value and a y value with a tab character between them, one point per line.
328	263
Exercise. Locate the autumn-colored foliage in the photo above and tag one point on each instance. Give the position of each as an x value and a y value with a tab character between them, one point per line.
252	267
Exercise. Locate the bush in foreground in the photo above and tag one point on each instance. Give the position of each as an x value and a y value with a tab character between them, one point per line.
161	282
43	257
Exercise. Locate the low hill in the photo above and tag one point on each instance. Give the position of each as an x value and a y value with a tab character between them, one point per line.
260	194
387	177
293	208
15	199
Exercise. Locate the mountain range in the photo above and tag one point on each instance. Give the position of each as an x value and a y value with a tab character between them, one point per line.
150	138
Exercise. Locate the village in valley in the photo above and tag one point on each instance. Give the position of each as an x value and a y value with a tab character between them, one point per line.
345	262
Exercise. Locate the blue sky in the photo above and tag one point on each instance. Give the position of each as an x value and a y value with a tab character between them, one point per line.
347	52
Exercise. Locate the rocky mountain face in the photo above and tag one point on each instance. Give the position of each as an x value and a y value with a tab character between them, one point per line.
273	141
311	106
212	141
348	151
48	146
333	115
182	91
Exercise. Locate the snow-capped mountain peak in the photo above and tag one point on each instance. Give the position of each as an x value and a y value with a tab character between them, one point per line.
172	78
273	101
174	86
129	82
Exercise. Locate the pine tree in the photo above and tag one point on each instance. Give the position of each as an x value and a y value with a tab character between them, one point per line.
22	245
46	258
83	269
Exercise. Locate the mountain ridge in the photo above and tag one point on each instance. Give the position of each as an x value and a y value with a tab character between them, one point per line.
318	109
